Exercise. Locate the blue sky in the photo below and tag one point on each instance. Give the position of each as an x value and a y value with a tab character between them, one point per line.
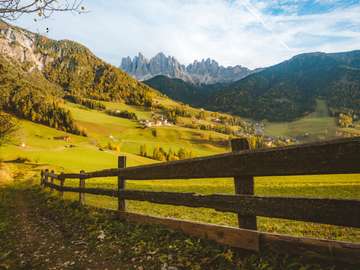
252	33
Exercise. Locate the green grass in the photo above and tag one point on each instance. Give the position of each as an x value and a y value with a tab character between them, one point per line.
319	125
40	145
85	155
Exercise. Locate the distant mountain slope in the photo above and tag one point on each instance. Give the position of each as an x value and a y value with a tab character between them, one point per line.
289	90
204	72
36	72
185	92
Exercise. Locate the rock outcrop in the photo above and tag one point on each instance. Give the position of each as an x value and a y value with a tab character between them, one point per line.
20	45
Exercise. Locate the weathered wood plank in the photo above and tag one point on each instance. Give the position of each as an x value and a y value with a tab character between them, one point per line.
257	241
94	191
234	237
328	211
53	175
331	157
244	185
326	249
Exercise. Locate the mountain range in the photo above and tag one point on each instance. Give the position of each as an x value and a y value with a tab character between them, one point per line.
37	72
282	92
199	72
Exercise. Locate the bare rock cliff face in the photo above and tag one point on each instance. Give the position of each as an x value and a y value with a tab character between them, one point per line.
204	72
19	45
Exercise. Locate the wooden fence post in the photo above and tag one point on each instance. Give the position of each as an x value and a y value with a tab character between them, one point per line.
46	177
52	181
42	178
121	183
61	192
82	185
244	185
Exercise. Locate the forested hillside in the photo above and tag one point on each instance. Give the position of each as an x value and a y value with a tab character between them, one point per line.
288	90
37	72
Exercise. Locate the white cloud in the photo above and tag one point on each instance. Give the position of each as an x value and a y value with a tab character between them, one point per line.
232	32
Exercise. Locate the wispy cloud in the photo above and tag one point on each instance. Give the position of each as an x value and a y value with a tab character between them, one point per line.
248	32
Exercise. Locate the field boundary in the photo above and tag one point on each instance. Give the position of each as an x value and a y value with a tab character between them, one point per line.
331	157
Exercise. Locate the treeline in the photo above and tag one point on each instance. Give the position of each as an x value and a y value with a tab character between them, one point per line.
46	113
76	69
217	128
161	154
89	103
123	114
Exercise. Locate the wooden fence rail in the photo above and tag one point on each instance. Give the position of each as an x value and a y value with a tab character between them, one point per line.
332	157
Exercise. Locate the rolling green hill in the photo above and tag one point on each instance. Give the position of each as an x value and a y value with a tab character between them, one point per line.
42	144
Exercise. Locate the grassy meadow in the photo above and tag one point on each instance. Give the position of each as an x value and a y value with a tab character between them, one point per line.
36	143
315	126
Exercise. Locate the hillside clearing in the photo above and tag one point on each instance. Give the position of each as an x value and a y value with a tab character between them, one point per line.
315	126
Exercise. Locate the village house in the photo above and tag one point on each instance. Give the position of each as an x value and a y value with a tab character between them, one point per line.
156	122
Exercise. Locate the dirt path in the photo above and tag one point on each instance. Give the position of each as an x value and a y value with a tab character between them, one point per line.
40	243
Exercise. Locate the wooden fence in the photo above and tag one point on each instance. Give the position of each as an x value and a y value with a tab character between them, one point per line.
332	157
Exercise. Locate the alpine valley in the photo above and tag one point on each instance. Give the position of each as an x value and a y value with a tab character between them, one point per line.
283	92
73	112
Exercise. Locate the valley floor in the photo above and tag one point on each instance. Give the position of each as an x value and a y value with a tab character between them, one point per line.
39	231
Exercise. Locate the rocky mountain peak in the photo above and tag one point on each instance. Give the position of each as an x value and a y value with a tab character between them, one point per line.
206	71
